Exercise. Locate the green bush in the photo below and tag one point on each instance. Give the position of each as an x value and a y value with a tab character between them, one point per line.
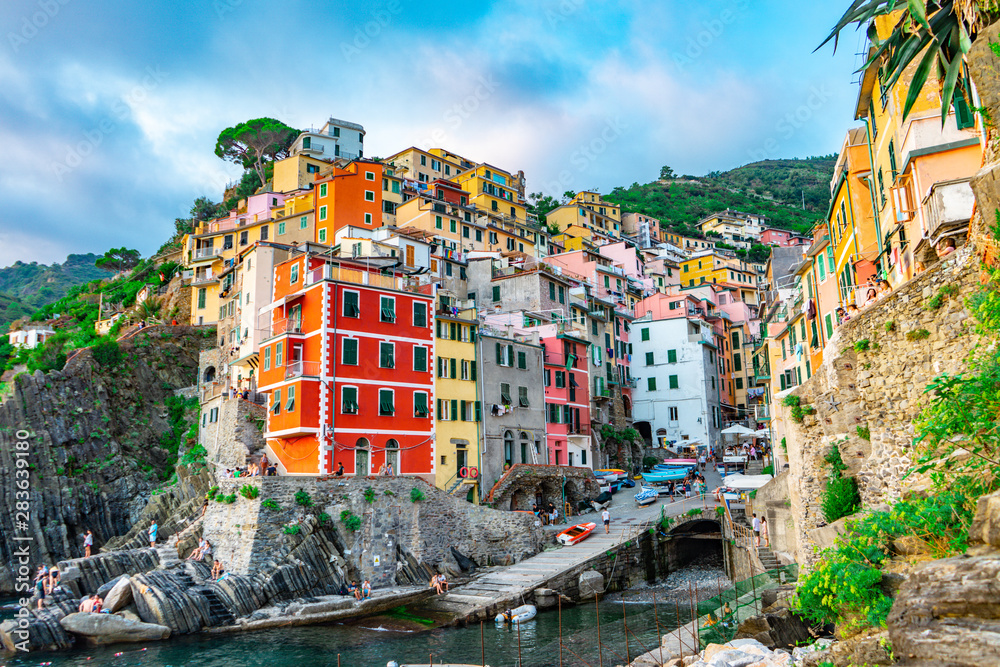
862	345
890	326
230	499
291	530
303	498
918	334
864	432
369	495
249	491
840	498
270	504
107	353
350	520
323	517
943	293
767	470
416	495
649	461
213	492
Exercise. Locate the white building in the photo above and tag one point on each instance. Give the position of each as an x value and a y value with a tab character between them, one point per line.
336	139
677	391
30	336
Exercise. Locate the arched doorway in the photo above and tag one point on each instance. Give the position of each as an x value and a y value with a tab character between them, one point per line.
361	457
392	455
209	374
627	405
508	449
645	431
525	446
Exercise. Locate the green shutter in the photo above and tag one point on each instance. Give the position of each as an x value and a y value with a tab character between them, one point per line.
420	315
522	360
499	356
479	411
454	410
454	368
672	356
645	333
350	351
385	403
510	356
651	384
649	358
496	292
420	359
552	291
454	331
464	407
351	307
673	382
473	366
385	356
420	404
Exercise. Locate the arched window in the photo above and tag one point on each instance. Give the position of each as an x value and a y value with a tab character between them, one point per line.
361	457
210	374
525	443
392	455
508	448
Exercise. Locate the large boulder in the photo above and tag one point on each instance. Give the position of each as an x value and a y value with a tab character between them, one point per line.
780	629
100	629
35	631
120	596
986	524
591	583
948	613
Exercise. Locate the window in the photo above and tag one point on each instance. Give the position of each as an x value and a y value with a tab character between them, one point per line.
420	404
560	379
496	292
739	382
737	362
352	306
522	396
279	355
290	403
387	309
202	295
349	356
672	413
522	360
281	228
322	235
420	359
267	358
369	195
423	160
322	213
649	358
293	274
645	333
369	176
368	218
651	384
276	402
386	355
562	294
673	382
671	356
349	401
547	377
386	406
419	314
505	393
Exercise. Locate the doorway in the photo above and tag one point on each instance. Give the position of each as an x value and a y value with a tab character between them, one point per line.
361	457
392	455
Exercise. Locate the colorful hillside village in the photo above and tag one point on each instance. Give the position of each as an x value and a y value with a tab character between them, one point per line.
410	315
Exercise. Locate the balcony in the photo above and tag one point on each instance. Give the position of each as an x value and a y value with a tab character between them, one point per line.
205	253
358	277
301	368
948	207
204	277
288	326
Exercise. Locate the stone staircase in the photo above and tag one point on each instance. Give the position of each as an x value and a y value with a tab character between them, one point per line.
755	467
767	558
168	556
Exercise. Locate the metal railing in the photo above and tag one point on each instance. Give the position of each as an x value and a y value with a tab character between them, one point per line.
360	277
205	253
301	368
279	327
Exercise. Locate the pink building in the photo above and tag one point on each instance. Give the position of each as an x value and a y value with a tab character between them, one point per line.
567	397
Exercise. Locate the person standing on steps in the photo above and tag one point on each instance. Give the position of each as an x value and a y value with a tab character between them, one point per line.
763	532
152	534
606	516
88	543
756	529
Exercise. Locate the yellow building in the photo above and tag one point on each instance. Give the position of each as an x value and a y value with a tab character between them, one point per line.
456	427
913	158
853	234
715	267
427	166
297	172
688	243
588	211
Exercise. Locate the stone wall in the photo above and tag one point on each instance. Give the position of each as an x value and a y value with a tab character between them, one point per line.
772	500
399	540
881	389
523	483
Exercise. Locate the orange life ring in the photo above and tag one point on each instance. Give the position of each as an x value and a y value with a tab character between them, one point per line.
463	472
473	473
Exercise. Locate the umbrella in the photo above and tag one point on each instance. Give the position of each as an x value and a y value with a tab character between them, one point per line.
738	429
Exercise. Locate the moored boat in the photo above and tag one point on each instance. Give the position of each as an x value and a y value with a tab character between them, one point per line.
517	615
575	534
665	476
647	496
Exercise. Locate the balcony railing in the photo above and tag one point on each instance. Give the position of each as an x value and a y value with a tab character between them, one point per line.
358	277
300	368
288	326
205	253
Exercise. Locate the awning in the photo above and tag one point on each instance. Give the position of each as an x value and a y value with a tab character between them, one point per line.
745	482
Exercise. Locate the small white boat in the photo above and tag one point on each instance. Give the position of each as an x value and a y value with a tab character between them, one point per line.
517	615
647	496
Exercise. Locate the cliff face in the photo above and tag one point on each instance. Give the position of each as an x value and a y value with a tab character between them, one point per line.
880	389
95	436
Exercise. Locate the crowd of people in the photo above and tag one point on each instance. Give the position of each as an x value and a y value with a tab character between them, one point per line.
548	515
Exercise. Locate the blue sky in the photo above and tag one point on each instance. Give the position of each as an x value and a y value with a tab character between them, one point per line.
109	111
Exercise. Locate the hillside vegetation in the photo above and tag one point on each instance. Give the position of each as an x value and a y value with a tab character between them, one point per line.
774	188
24	288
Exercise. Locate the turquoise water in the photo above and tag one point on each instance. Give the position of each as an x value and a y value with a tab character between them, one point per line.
365	644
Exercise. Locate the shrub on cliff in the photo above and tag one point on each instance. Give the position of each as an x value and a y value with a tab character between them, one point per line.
840	498
270	504
107	353
350	520
303	498
249	491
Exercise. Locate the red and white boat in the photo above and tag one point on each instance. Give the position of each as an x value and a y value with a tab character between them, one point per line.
576	533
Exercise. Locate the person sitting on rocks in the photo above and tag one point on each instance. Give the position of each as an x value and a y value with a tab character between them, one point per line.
40	584
366	590
436	584
443	581
340	469
98	604
53	582
88	543
353	588
87	604
196	552
945	247
217	569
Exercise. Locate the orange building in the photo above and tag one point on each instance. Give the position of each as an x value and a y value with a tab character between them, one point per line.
348	196
346	360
